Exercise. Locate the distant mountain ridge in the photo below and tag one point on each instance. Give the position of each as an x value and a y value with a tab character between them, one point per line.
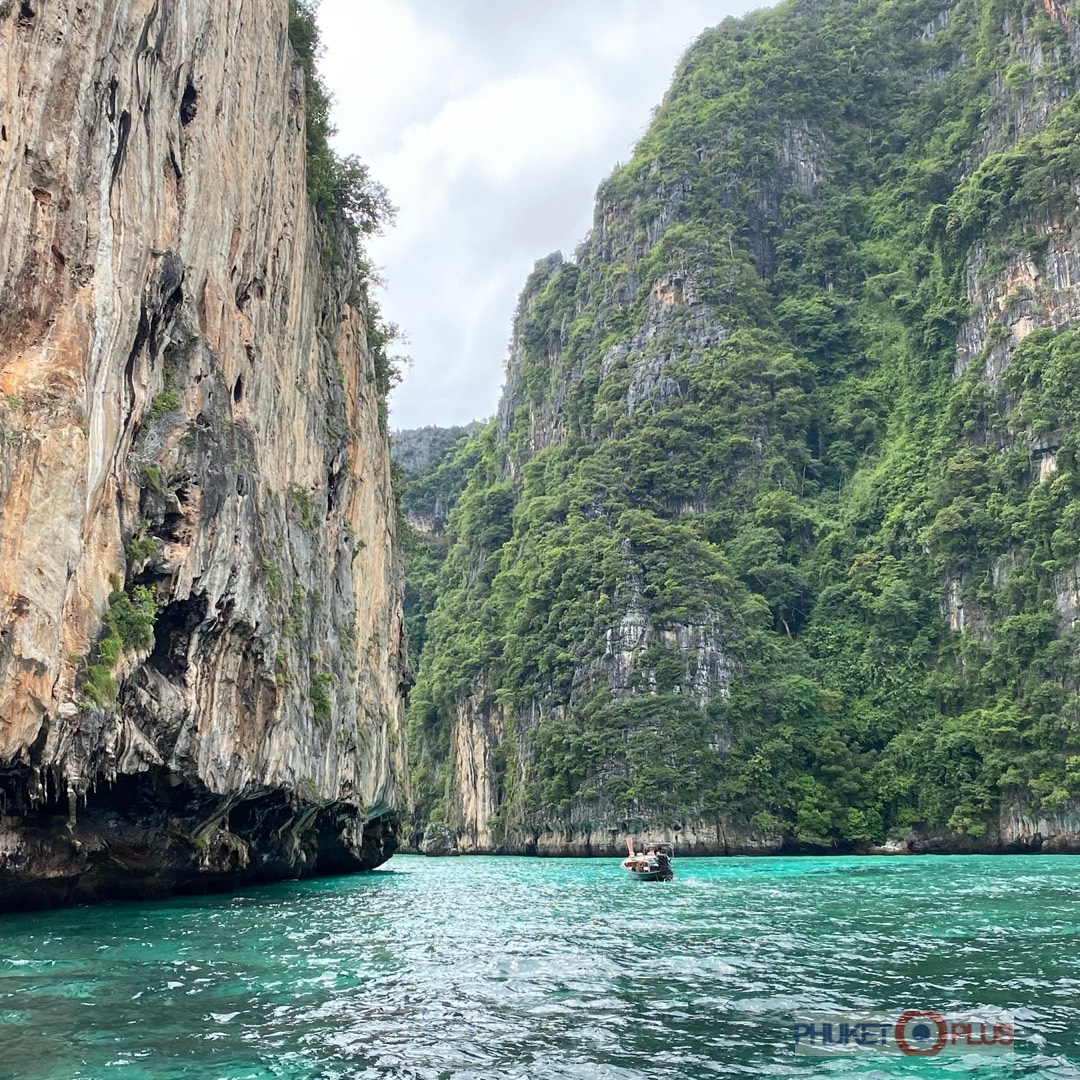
417	450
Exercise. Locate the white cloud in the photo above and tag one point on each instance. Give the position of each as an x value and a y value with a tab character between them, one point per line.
622	42
508	126
369	48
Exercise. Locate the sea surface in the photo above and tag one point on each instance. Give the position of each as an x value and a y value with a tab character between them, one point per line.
541	968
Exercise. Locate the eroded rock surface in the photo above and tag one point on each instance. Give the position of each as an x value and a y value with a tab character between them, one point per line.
192	462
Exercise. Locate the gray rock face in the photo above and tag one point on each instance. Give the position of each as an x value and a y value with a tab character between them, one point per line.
195	495
1017	830
438	840
700	648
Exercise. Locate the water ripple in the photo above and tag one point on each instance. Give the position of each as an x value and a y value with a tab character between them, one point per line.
478	969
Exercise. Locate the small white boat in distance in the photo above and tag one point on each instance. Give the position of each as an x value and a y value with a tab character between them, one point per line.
653	865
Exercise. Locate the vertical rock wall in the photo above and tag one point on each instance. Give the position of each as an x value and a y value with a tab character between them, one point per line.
190	437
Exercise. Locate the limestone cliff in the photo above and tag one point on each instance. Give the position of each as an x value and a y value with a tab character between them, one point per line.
201	639
773	545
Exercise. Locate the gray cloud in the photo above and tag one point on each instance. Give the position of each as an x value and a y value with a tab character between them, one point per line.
491	122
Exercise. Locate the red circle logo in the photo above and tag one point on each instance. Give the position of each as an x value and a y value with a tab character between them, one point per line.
900	1032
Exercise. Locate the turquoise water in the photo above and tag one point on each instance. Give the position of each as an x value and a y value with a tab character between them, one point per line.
490	968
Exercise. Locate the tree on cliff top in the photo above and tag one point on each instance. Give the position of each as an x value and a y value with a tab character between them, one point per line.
336	185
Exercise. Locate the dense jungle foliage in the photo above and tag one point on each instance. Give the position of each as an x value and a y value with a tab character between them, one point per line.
434	464
741	409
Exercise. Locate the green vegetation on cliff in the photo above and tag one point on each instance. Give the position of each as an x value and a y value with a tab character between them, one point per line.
349	204
434	464
754	539
336	185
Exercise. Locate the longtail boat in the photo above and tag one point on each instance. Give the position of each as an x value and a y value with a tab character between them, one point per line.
652	865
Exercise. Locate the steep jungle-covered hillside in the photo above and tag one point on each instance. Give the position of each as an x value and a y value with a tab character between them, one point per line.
774	543
434	464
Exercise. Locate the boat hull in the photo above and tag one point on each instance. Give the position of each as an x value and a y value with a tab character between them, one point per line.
651	875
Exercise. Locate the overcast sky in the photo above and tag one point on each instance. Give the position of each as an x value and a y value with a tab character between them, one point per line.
491	122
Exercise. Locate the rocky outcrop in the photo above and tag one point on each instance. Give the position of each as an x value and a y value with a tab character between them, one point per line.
434	477
1017	830
492	757
201	643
